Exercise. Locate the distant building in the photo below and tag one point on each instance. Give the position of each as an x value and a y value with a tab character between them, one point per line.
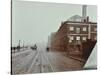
51	39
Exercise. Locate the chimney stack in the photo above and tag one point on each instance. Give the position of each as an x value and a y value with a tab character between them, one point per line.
84	14
87	19
84	10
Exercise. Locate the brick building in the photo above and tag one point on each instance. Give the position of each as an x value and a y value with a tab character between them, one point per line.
73	33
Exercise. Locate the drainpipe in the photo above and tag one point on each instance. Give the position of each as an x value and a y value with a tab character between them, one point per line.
89	31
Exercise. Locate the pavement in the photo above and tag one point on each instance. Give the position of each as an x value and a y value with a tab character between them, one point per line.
60	62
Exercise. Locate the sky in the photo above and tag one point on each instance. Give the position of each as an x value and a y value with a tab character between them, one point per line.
33	22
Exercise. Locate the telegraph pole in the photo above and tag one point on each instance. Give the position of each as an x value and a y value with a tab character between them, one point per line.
23	45
18	47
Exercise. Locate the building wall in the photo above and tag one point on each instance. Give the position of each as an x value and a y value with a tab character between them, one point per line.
61	41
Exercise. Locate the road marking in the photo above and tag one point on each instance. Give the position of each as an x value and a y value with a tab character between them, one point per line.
41	67
33	62
49	62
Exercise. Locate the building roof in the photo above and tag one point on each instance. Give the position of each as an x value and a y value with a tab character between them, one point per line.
75	18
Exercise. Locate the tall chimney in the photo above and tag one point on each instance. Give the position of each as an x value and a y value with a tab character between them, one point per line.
84	10
84	13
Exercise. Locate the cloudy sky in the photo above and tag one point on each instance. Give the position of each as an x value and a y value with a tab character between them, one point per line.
32	22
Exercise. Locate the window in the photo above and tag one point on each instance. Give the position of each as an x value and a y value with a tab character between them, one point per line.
84	38
77	38
71	38
71	28
95	38
84	28
77	30
95	29
70	41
